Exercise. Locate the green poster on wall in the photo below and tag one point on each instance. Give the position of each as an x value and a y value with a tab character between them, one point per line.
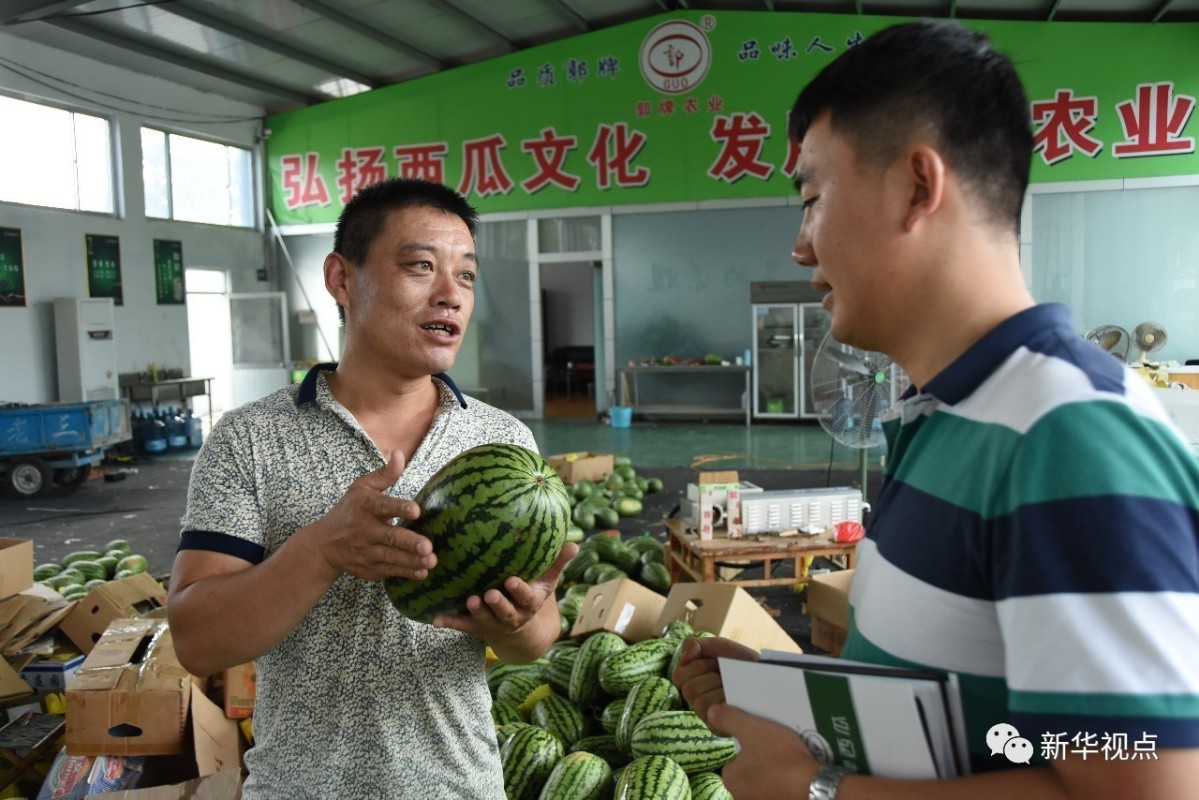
104	267
12	268
168	272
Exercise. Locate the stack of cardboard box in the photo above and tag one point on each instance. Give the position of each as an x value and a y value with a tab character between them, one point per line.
135	719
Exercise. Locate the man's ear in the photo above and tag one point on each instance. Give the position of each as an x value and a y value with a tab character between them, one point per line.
926	170
337	276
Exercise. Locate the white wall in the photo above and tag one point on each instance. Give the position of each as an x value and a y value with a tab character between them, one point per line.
54	240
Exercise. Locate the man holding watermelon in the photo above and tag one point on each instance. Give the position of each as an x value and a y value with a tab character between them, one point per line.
295	516
1036	533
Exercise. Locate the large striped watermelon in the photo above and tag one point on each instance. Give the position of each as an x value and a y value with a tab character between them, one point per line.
493	511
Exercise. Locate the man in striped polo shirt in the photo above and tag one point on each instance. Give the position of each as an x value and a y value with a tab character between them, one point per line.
1038	529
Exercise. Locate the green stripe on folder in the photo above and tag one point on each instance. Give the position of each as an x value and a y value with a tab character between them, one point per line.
836	719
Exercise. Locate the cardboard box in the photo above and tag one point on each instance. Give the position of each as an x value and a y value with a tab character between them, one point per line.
131	696
828	603
210	770
623	607
714	502
29	615
136	596
240	689
16	566
726	610
586	467
51	674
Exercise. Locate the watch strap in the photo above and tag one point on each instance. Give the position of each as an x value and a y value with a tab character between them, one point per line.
827	781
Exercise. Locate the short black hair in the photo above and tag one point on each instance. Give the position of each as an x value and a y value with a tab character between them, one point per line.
362	219
930	75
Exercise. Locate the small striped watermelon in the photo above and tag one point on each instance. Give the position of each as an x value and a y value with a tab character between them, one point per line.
578	776
621	671
648	697
584	677
493	511
604	746
528	757
504	711
500	671
505	731
560	717
709	786
610	717
683	737
653	777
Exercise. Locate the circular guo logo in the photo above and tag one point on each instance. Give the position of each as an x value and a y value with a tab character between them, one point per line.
675	57
818	746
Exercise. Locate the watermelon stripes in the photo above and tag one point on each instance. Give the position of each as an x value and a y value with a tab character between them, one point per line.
493	511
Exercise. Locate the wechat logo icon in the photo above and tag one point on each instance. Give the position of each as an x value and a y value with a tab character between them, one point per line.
1006	740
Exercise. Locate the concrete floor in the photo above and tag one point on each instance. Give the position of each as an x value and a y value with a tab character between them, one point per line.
145	507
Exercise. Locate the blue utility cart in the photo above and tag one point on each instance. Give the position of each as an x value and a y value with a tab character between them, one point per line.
57	443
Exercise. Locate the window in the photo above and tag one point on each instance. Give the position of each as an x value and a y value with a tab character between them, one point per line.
196	180
56	158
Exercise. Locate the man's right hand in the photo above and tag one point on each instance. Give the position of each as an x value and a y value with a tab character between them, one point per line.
359	534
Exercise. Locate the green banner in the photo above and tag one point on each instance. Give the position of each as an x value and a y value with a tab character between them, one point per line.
104	267
168	272
692	106
12	268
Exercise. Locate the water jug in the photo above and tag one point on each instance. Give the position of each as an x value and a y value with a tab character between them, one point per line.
155	433
176	430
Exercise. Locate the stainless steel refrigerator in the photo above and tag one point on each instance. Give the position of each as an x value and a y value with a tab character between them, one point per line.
788	325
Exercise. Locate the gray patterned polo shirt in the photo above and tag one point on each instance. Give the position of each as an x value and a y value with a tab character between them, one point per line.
358	701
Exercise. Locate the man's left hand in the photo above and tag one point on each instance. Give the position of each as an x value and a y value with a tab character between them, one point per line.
511	618
772	761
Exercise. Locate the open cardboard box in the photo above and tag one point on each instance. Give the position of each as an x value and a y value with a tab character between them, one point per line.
620	606
136	596
131	695
210	769
586	467
726	610
16	566
828	603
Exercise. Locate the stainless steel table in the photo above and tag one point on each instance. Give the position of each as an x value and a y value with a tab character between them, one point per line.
631	396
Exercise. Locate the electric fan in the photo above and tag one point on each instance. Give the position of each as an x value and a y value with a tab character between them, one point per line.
850	390
1149	336
1111	338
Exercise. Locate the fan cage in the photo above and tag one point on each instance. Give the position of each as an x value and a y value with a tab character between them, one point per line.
851	388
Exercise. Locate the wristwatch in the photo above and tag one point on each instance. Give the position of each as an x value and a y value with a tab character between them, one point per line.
825	784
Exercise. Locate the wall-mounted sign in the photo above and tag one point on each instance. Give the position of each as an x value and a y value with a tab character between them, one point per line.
104	267
168	272
692	106
12	268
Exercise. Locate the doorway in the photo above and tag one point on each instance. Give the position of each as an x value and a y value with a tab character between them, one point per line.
568	336
210	345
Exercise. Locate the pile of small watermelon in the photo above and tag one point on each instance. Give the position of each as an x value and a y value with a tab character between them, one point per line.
604	557
602	719
603	504
84	570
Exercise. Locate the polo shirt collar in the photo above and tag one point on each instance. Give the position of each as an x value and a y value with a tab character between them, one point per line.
307	392
958	381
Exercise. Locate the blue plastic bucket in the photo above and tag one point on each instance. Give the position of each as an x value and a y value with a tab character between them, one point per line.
622	416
